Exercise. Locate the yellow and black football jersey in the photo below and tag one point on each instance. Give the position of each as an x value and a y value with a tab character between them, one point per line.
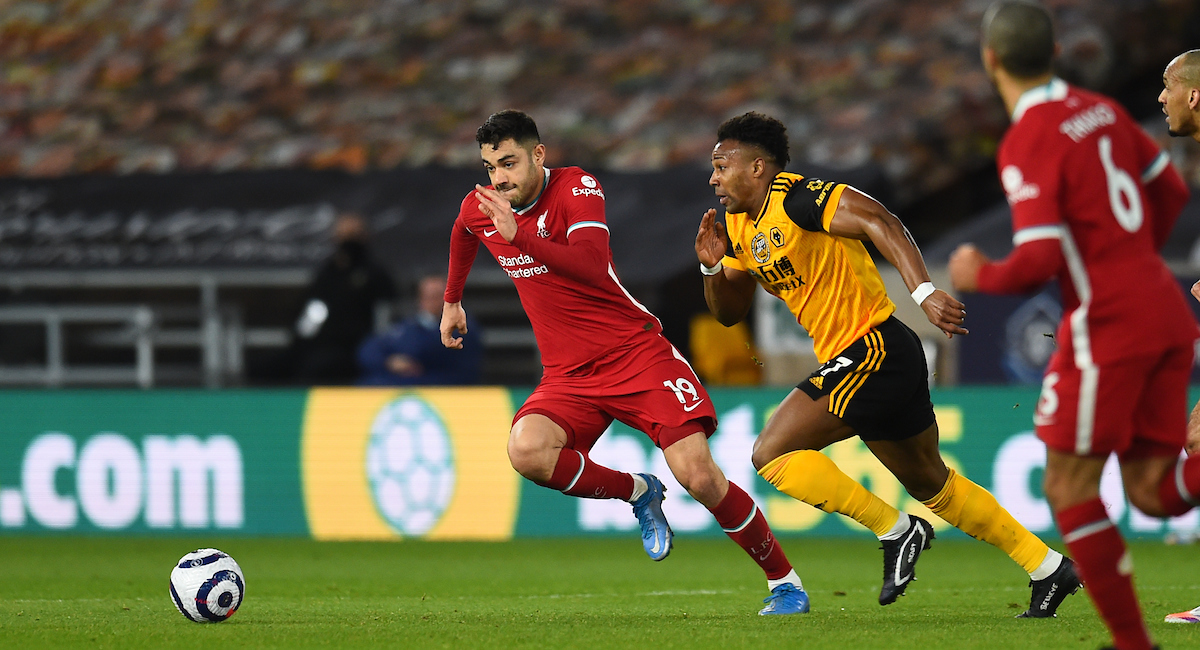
829	283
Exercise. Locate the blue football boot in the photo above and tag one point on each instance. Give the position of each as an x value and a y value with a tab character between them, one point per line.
656	532
785	599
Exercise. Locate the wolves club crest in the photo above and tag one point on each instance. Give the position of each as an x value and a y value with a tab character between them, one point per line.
777	237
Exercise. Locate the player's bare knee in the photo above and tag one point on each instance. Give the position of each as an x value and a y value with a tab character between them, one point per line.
531	455
1144	497
1143	494
1057	491
763	454
923	487
1148	503
687	476
704	481
707	489
1064	489
928	481
530	465
760	458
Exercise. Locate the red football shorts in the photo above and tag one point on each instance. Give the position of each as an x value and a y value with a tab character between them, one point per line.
1135	407
644	383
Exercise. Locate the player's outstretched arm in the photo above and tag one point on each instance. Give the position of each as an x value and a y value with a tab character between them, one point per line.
454	319
463	247
859	216
1030	265
728	292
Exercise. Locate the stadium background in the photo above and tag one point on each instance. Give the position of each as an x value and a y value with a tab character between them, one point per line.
170	172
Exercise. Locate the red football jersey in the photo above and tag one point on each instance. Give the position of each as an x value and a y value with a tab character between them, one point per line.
1075	167
561	264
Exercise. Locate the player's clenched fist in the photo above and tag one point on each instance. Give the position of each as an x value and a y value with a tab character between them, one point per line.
710	240
965	262
454	319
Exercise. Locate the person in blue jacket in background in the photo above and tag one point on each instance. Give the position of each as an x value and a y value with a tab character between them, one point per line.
411	351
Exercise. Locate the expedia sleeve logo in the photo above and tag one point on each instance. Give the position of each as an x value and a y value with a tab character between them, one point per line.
1016	187
759	249
590	188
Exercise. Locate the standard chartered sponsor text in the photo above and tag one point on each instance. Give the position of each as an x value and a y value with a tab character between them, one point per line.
524	272
527	272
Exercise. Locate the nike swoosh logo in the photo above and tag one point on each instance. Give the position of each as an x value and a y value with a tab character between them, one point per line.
489	233
657	544
691	408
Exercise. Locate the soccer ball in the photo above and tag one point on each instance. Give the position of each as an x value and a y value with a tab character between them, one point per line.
207	586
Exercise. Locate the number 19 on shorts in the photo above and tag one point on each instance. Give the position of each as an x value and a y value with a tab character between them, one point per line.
681	387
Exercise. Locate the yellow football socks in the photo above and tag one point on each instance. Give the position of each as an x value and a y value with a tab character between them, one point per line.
813	478
976	512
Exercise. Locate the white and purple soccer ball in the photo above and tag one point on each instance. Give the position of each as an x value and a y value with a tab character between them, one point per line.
207	586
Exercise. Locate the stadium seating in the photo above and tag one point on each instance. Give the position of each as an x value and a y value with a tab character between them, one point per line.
890	95
127	85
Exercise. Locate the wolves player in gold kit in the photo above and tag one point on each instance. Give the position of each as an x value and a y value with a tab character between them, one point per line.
801	238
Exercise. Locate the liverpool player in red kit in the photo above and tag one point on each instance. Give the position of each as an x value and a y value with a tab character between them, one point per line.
1180	100
603	353
1093	200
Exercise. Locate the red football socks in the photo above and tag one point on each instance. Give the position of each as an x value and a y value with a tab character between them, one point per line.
1180	488
740	518
1106	570
576	475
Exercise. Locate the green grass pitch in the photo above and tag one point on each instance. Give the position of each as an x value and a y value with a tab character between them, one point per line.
597	593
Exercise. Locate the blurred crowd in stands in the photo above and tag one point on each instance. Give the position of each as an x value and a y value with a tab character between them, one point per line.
121	86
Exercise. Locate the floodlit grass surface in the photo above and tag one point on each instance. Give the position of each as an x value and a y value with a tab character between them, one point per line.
105	592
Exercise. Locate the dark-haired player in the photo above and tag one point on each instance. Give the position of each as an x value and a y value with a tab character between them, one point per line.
1093	199
603	353
801	239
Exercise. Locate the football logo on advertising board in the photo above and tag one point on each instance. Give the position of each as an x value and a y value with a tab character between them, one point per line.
410	464
390	464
